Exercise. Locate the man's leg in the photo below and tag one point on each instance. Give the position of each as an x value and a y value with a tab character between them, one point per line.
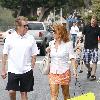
87	59
94	67
26	84
93	76
89	70
24	96
12	95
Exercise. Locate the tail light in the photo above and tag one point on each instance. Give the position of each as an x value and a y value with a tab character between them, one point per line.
40	34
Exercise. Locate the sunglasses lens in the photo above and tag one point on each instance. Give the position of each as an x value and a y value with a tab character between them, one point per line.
26	26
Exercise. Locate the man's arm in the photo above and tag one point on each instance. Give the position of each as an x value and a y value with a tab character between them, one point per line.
33	61
3	70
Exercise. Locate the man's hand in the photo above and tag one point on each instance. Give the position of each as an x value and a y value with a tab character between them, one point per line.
3	74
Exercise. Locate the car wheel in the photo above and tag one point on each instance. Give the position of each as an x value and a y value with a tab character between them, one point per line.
42	49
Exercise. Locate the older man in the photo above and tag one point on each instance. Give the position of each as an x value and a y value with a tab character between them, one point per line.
91	33
20	48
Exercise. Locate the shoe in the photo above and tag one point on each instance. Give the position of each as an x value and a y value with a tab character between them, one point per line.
88	74
92	78
80	71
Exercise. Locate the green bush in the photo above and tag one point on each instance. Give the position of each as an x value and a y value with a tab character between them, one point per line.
33	18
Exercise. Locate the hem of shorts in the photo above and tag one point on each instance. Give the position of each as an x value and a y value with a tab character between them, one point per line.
20	90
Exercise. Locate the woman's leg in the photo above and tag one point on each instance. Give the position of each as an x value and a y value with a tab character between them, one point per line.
65	91
54	89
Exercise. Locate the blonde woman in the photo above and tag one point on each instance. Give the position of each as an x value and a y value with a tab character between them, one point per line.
60	50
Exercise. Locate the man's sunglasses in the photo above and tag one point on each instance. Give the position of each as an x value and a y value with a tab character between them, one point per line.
25	25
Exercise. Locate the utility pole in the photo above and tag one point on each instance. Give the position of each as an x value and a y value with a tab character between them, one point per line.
54	14
61	15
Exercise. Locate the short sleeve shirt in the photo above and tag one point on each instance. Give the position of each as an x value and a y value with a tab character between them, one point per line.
20	51
60	57
91	36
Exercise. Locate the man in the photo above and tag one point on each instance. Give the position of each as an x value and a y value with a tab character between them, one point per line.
20	48
91	33
74	31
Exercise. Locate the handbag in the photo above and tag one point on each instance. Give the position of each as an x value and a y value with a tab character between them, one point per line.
45	65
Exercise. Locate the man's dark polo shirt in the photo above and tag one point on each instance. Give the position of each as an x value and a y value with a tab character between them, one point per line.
91	36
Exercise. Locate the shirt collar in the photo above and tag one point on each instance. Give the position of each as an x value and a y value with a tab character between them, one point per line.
19	36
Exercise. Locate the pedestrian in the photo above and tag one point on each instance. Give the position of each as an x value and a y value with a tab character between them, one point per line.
79	53
60	50
74	31
20	48
91	33
79	58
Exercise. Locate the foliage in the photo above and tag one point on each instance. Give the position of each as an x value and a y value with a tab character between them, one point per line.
96	8
33	18
28	7
6	19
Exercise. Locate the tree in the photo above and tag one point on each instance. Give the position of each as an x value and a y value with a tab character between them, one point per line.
87	3
29	7
96	8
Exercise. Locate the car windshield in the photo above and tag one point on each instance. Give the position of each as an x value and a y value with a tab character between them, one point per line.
35	26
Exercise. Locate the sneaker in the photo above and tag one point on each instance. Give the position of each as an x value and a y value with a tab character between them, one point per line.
88	74
92	78
81	71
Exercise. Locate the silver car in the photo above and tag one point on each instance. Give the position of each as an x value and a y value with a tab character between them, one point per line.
39	32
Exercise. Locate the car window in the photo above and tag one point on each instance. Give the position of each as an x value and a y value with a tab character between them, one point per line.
35	26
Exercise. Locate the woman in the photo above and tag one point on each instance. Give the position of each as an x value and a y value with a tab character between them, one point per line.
60	50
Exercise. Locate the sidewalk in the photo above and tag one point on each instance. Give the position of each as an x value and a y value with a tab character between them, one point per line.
41	86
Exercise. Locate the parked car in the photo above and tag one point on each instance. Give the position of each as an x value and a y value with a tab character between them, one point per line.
39	32
49	36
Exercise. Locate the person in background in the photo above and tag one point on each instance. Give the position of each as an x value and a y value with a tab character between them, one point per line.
91	33
79	53
20	49
60	49
74	31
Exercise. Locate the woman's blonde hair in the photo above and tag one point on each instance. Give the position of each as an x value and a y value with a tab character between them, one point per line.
62	32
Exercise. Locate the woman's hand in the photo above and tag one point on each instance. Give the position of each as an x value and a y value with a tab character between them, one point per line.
48	49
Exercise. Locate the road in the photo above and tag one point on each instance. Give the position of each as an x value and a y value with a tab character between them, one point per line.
41	86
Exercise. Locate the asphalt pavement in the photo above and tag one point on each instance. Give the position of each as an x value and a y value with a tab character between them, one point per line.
41	85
